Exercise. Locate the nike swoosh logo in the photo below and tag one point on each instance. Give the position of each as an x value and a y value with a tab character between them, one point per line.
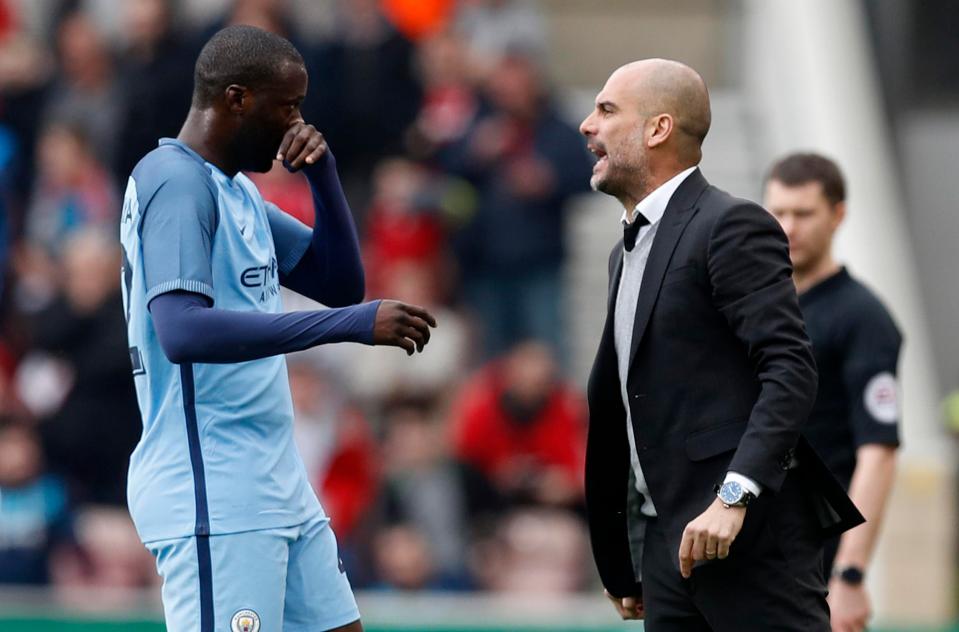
243	231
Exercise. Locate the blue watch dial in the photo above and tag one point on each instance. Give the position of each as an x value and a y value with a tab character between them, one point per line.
731	492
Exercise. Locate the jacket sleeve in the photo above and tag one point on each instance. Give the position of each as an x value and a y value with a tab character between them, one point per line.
751	278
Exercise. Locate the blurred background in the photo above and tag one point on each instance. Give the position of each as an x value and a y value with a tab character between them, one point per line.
454	479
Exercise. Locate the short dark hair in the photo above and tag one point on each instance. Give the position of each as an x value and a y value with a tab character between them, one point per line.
243	55
802	168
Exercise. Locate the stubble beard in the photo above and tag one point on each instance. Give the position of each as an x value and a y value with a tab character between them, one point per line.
622	178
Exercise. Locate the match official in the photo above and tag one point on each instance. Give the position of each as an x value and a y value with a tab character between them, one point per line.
854	423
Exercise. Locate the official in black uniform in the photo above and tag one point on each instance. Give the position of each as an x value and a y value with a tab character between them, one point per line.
854	424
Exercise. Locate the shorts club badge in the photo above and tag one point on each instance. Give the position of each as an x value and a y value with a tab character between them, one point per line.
245	621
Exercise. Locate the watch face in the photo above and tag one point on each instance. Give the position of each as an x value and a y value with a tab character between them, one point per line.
731	492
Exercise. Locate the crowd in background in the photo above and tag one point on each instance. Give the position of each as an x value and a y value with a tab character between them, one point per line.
457	469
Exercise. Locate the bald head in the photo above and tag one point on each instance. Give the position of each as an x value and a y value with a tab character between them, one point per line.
648	125
663	86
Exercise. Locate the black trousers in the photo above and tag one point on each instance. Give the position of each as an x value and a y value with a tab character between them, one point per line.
772	580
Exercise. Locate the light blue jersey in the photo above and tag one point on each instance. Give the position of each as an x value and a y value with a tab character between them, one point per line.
217	453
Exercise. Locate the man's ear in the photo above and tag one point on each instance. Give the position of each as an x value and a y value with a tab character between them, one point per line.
838	214
661	129
237	98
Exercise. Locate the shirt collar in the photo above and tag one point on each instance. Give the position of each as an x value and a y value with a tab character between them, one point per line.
654	205
192	154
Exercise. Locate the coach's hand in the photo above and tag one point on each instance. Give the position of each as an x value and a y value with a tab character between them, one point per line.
401	325
628	607
302	145
709	536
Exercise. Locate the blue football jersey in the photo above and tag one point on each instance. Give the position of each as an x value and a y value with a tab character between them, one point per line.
216	454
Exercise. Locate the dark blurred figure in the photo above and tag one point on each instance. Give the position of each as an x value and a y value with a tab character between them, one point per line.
337	447
525	162
85	92
34	516
156	75
367	93
26	68
73	189
432	503
525	429
89	438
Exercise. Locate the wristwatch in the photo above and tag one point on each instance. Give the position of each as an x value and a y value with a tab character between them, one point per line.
733	494
852	575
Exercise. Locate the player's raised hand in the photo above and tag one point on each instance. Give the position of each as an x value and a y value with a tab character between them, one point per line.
401	325
302	145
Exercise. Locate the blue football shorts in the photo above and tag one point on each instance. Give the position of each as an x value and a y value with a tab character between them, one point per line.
271	580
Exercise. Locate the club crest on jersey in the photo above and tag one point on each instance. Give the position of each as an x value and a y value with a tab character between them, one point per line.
245	621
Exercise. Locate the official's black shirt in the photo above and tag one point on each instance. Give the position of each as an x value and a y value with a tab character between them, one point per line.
856	345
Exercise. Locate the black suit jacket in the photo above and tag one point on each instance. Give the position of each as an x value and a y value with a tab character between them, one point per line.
721	378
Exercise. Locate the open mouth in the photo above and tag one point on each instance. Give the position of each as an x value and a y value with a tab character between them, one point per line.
601	157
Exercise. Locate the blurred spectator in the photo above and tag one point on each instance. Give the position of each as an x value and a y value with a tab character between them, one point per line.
85	92
535	551
337	447
376	373
73	189
109	561
525	163
368	94
155	75
404	560
403	222
450	101
430	500
88	439
493	28
523	428
34	517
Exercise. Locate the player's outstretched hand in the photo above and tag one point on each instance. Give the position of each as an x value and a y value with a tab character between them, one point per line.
302	145
401	325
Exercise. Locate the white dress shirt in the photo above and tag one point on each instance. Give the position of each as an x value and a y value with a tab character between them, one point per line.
652	208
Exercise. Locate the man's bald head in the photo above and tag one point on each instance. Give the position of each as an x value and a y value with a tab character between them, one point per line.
663	86
649	123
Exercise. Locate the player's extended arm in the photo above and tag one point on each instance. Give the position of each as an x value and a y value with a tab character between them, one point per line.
330	270
190	330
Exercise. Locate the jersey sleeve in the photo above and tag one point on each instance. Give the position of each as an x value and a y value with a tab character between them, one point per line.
291	237
869	374
177	234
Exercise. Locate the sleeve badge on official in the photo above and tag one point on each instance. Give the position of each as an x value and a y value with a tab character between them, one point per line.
881	398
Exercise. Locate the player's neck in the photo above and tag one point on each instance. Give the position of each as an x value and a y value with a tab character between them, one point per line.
819	271
200	134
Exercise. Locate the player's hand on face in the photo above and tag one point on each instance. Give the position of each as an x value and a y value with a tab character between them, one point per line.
629	608
302	145
401	325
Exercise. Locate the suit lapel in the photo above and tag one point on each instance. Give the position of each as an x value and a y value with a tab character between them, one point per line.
679	211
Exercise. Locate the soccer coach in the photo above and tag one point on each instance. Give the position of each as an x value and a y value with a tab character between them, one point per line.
707	510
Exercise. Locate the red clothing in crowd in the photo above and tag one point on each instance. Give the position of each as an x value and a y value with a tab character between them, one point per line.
349	484
489	438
